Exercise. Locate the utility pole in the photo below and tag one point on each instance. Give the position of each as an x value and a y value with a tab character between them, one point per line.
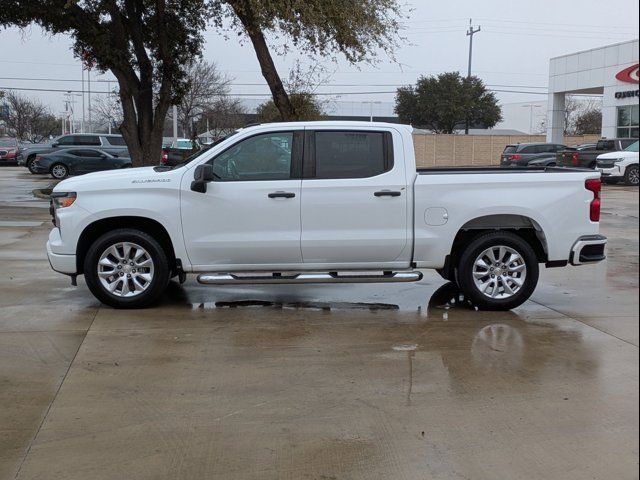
470	34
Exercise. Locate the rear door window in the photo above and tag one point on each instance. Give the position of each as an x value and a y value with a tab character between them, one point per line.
529	149
116	141
351	154
87	140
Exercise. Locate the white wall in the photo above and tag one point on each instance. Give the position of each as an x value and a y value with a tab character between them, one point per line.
591	71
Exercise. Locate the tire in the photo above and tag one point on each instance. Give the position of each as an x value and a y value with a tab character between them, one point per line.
520	275
59	171
132	288
631	176
29	164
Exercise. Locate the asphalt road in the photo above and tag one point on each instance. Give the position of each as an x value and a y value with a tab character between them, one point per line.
316	382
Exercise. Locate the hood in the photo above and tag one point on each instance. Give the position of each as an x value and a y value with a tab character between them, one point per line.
119	179
614	155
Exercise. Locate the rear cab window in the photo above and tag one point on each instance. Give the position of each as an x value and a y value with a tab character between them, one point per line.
349	154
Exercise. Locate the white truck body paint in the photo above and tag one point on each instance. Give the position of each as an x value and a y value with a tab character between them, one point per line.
331	224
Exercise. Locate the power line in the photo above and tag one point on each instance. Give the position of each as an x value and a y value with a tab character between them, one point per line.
263	84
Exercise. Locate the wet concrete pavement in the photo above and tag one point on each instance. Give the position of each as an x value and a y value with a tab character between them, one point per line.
316	382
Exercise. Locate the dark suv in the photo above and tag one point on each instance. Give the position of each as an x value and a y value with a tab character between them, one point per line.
521	154
112	144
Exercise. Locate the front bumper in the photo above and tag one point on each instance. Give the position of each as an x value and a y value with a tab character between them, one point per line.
588	249
614	171
61	263
38	168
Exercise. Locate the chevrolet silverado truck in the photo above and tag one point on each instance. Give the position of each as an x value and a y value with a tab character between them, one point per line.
588	158
313	202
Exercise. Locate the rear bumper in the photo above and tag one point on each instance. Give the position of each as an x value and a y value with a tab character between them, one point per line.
588	249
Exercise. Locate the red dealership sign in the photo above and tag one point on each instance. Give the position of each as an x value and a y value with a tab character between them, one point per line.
629	74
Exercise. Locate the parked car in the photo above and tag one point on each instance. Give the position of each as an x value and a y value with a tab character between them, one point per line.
585	146
521	154
76	161
587	158
179	150
620	166
114	144
8	151
237	215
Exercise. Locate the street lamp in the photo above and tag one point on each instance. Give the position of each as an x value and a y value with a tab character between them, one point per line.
531	107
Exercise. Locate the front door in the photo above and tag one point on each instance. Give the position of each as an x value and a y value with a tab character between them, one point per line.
249	217
354	200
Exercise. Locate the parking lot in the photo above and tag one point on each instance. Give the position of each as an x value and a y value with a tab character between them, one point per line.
316	381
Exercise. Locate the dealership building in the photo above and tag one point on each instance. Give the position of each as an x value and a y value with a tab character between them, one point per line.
610	71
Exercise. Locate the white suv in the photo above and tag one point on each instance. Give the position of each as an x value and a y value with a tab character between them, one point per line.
616	166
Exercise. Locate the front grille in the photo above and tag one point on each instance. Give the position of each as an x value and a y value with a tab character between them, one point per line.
602	164
3	153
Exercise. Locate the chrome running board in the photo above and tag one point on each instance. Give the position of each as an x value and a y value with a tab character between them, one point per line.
311	277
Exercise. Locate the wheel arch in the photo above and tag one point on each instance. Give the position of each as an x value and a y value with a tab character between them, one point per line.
147	225
523	226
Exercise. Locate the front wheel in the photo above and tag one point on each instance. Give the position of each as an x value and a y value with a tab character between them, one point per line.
126	268
31	164
498	271
631	177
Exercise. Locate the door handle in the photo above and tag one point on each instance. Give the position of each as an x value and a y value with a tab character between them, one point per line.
387	193
281	195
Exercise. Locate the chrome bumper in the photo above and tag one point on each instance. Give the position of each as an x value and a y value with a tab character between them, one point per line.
588	249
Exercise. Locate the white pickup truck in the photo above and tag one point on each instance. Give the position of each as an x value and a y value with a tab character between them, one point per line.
322	202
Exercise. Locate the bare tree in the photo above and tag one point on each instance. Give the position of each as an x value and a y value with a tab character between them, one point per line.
29	119
222	118
206	87
107	111
581	115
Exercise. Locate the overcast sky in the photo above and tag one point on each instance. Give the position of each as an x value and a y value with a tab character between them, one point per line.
510	53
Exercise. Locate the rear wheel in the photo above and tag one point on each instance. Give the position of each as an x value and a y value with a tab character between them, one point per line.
498	271
631	176
59	171
126	268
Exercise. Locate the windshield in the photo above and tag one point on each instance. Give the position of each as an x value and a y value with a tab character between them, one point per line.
632	148
7	143
184	144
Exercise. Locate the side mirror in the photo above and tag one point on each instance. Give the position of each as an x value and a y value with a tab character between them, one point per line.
202	175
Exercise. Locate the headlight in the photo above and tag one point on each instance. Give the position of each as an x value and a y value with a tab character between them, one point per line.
60	200
63	199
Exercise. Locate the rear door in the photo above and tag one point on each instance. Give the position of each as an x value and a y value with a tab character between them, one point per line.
354	199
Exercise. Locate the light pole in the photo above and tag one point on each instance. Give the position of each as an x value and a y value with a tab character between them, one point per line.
371	102
470	33
531	107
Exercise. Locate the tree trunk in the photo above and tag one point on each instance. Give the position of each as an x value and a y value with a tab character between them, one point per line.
269	71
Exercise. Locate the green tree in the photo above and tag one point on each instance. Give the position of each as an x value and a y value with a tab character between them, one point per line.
146	44
356	30
446	102
305	107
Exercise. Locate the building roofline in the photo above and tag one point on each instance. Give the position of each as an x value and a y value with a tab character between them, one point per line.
596	48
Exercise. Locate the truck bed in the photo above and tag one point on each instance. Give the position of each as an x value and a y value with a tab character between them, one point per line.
498	170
